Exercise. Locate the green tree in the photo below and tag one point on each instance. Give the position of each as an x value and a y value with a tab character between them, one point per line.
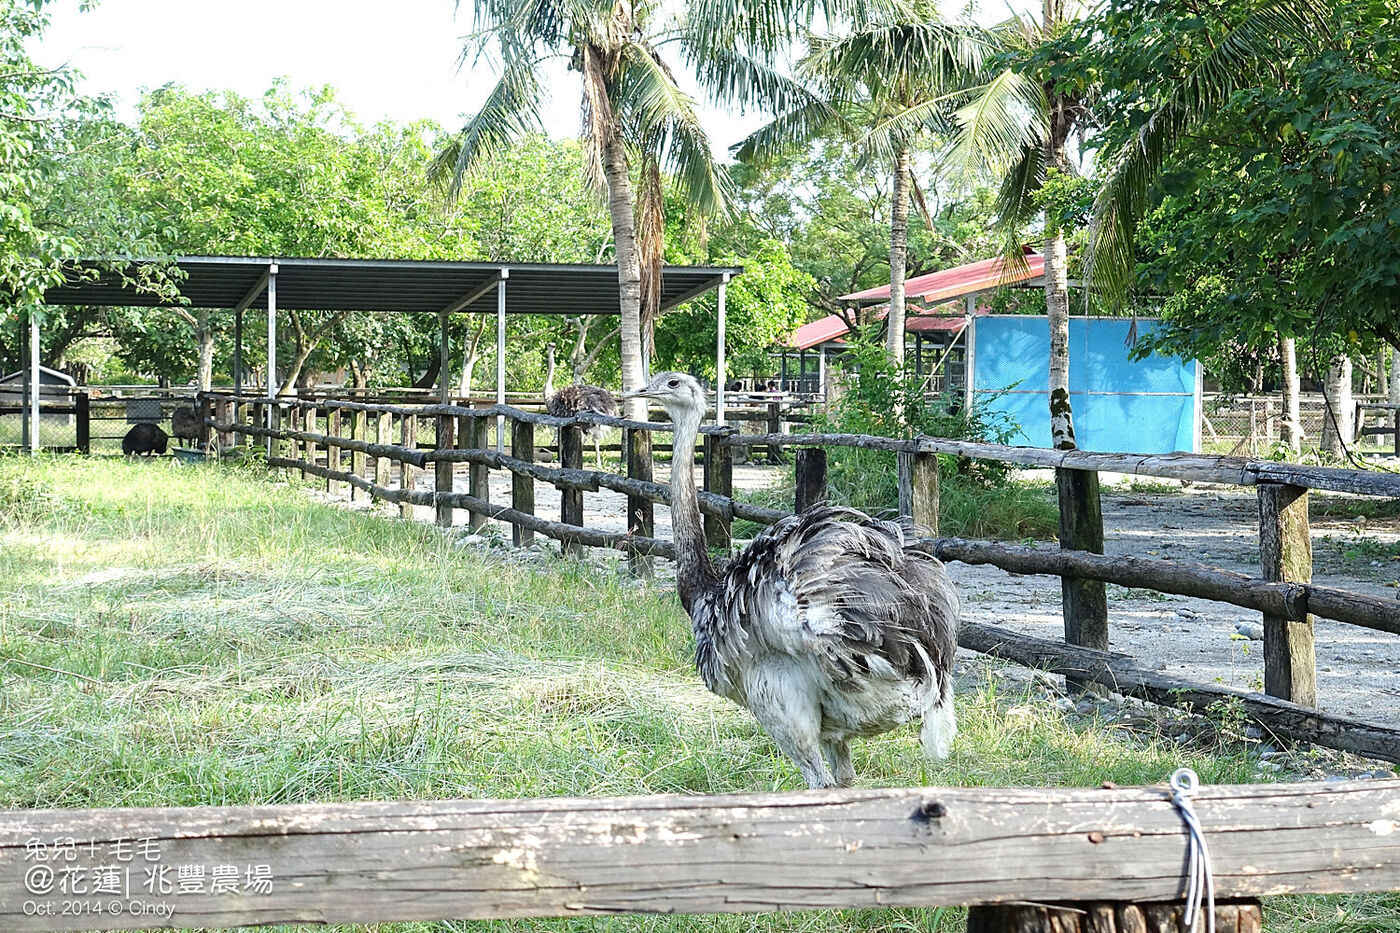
885	87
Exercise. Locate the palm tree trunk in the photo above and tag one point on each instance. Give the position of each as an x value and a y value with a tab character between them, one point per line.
1057	313
1337	422
608	135
899	249
1292	428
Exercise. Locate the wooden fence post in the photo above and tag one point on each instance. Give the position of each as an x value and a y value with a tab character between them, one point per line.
719	479
408	437
359	430
474	437
522	487
918	489
641	521
204	409
571	500
383	434
1242	916
308	424
332	451
443	470
775	426
1084	603
811	478
82	422
1285	555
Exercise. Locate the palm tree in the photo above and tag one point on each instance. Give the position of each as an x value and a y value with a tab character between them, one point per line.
884	86
634	114
636	117
1017	126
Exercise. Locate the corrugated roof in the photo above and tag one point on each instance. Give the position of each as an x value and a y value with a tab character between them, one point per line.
833	326
389	285
958	282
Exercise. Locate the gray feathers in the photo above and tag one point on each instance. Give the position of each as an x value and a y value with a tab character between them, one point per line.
828	626
837	584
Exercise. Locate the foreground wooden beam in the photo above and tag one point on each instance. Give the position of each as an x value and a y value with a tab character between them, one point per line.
371	862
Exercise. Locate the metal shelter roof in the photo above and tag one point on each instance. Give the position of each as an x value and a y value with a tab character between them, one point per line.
958	282
389	285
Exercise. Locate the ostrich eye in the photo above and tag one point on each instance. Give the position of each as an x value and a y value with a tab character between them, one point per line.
673	383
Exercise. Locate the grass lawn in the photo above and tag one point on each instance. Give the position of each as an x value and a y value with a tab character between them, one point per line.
202	635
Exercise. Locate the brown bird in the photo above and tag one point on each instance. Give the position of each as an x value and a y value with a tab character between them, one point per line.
572	399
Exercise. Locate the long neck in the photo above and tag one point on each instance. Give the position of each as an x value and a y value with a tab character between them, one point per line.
694	572
549	375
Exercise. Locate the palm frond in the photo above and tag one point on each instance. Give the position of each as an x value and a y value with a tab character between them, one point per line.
511	111
792	130
1005	116
899	60
1234	63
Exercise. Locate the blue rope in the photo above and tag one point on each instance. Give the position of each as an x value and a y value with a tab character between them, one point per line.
1200	880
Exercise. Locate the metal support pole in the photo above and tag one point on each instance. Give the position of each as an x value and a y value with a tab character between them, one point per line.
271	354
238	353
444	357
501	358
34	382
719	354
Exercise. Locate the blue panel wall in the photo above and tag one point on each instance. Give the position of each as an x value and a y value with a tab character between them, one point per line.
1147	406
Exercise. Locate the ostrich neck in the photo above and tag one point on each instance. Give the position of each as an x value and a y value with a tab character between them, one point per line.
694	572
549	377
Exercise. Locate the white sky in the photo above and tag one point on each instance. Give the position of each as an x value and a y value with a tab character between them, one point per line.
389	60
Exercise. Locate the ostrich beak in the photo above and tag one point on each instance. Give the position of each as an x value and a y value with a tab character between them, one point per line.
637	393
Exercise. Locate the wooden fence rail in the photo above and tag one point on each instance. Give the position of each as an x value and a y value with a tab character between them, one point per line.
208	867
1285	596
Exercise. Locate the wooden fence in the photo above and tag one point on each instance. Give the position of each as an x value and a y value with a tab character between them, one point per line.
317	437
1110	859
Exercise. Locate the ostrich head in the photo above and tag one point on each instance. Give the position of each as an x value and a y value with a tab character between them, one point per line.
678	393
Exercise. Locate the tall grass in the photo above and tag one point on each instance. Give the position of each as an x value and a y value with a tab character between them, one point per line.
204	635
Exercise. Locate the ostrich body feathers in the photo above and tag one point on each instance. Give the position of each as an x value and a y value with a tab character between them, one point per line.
831	625
830	610
572	399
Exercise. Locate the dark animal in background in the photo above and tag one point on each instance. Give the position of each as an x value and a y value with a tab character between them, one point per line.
572	399
144	439
184	424
829	626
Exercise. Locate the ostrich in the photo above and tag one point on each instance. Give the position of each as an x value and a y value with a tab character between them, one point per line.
572	399
828	626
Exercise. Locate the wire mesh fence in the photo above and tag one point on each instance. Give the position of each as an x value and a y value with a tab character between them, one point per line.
1249	425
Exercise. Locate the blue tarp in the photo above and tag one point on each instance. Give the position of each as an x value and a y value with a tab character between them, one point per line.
1144	406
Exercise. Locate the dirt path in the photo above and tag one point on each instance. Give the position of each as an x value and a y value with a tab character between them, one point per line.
1358	669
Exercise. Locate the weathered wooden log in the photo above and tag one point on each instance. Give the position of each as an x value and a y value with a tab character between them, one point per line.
1083	601
810	468
570	499
522	485
472	432
359	431
1284	600
408	440
1118	673
400	452
573	537
641	519
918	489
1285	555
383	436
719	482
409	496
443	472
475	859
1109	917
